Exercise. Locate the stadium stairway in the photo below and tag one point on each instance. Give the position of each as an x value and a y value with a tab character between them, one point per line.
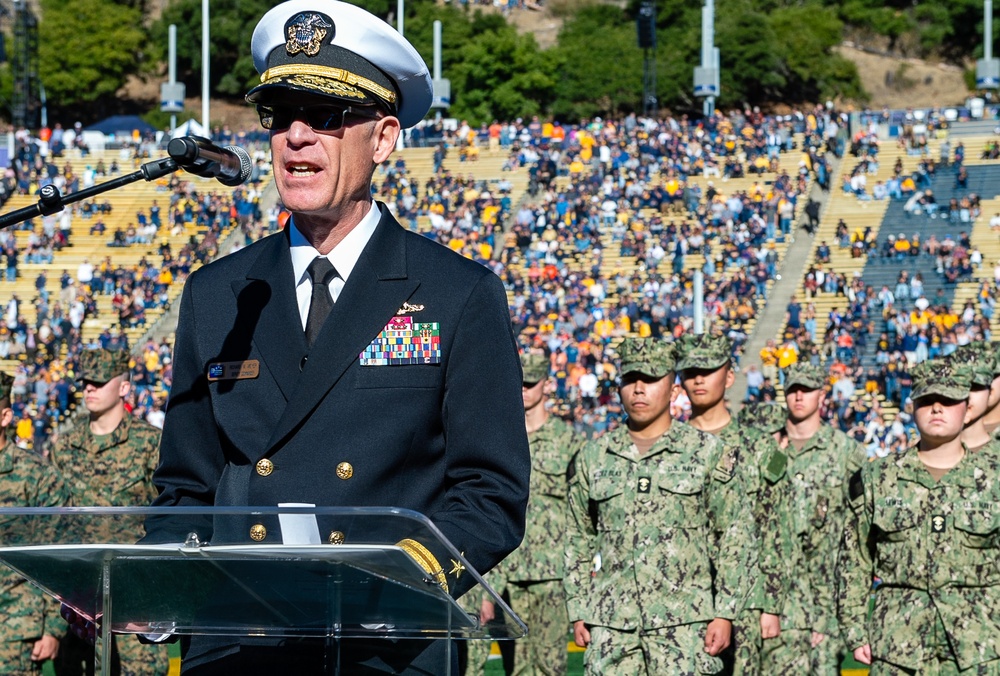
984	180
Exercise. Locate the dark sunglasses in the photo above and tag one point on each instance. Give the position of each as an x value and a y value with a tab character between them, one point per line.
320	118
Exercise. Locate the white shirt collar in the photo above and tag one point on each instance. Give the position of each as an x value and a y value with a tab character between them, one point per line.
343	257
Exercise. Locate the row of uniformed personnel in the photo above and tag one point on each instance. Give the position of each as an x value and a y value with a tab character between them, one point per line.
749	545
106	460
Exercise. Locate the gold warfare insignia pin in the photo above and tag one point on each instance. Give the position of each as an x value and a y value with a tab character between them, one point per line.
305	33
937	523
409	309
644	484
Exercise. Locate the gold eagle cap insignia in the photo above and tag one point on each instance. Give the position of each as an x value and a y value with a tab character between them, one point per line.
409	309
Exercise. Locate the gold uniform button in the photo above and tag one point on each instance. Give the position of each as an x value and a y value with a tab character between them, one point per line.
336	538
345	470
265	467
258	532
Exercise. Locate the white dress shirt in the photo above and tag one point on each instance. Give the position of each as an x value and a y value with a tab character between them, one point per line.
343	258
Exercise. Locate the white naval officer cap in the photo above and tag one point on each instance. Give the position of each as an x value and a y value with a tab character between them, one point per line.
330	49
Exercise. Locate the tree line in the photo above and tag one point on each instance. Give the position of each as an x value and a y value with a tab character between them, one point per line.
771	51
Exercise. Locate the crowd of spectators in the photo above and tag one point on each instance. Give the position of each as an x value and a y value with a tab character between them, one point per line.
872	337
622	213
619	217
47	347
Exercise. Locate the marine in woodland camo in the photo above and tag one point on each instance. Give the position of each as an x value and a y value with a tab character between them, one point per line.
25	481
113	470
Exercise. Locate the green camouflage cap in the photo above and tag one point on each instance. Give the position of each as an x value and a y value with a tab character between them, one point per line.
941	377
535	367
806	375
100	366
703	351
763	416
980	358
6	381
648	356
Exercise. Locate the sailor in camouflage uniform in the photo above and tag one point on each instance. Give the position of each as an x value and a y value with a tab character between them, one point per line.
982	362
532	575
814	506
705	367
991	421
108	460
643	505
927	526
30	620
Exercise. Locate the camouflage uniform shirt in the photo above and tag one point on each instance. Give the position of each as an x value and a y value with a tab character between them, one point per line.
109	470
26	481
762	466
540	556
642	529
935	546
814	509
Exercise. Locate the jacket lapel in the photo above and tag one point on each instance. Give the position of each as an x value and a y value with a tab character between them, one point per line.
267	311
377	288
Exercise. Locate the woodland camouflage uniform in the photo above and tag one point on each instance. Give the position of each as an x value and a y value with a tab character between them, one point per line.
113	470
25	481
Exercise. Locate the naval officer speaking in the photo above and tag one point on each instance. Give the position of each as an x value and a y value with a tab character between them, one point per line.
280	392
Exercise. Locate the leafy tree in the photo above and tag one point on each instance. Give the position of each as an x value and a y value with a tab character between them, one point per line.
231	22
805	36
86	49
501	75
598	64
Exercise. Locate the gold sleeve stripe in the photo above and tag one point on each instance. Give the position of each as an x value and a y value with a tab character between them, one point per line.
333	73
425	560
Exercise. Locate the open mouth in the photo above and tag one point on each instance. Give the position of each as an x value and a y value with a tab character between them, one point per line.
301	169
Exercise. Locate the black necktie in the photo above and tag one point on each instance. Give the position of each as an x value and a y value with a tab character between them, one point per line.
321	271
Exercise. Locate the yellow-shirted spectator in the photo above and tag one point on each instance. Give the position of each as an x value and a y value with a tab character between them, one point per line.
604	327
576	166
624	323
490	213
24	429
787	355
920	319
547	128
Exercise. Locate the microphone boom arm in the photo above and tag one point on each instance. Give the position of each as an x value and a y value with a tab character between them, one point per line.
51	201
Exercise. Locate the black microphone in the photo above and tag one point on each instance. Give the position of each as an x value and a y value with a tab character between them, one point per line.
198	155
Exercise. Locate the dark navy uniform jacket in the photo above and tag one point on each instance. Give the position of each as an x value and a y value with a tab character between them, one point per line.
444	439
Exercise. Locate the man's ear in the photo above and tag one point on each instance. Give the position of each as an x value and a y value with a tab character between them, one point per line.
387	131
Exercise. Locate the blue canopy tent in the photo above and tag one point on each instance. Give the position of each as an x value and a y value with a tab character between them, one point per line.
122	125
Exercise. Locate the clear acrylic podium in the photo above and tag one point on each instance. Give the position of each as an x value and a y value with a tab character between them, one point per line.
327	574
